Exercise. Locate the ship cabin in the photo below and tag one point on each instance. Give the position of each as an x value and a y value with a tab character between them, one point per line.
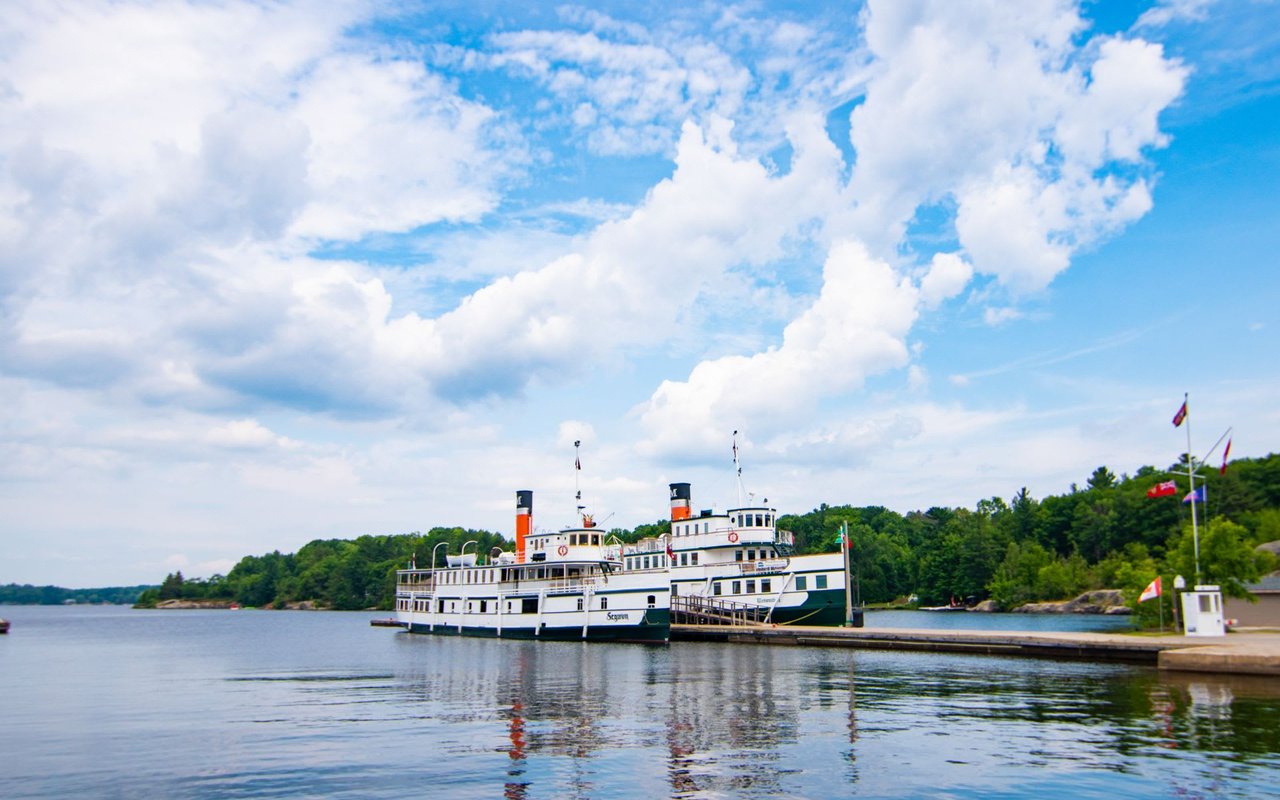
748	536
586	543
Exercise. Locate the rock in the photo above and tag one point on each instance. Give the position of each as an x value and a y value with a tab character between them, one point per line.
987	606
181	604
1098	601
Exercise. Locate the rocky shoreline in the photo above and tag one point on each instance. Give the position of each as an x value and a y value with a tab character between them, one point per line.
304	605
1099	601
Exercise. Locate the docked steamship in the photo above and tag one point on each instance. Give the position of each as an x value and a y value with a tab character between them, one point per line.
566	585
739	560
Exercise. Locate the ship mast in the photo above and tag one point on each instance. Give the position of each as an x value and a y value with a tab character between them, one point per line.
737	469
577	473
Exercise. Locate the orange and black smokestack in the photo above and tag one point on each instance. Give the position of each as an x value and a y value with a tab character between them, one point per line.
524	521
680	495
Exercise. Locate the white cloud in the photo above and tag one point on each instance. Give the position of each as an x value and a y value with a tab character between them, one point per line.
246	434
948	274
1167	11
998	107
855	327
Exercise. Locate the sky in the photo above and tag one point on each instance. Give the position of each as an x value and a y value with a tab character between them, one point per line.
277	271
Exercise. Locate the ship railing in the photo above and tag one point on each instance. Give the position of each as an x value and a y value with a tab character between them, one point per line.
570	585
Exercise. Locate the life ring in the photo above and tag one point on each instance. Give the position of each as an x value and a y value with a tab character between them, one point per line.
733	536
562	550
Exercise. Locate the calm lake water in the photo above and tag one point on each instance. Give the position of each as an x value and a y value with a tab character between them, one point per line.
111	702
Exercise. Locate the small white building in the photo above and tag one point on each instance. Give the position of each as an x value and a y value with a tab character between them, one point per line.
1202	612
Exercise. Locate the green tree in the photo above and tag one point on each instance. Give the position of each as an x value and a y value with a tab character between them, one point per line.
1226	558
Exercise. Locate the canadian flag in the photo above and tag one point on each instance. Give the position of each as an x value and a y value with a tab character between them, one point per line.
1152	590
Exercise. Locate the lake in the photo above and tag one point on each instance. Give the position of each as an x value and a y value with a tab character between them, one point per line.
112	702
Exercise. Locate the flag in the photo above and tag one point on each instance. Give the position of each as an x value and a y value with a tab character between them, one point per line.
1225	453
1163	489
671	554
1152	590
577	463
1181	415
1197	495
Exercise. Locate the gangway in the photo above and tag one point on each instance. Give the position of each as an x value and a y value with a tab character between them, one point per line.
698	610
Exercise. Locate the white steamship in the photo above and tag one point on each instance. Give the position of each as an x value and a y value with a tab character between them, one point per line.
566	585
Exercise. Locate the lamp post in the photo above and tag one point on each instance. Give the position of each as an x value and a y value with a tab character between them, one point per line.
464	546
433	552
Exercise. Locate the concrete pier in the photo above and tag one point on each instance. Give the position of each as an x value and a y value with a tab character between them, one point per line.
1239	653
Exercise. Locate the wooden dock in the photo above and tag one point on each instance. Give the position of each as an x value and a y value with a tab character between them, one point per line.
1240	653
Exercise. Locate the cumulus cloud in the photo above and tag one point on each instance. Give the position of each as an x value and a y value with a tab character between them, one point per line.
167	166
1037	141
999	108
855	327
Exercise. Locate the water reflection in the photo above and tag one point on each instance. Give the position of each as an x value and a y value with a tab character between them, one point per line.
705	720
282	705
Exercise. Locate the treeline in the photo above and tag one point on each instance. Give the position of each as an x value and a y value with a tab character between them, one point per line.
1106	534
26	594
331	573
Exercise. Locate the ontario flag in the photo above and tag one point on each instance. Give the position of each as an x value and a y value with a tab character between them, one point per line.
1163	489
1181	415
1152	590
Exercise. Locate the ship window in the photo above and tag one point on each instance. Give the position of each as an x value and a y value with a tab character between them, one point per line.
737	555
646	562
766	586
751	555
684	559
715	588
802	583
819	581
737	587
653	601
706	527
759	521
579	603
484	606
751	587
440	607
604	603
693	559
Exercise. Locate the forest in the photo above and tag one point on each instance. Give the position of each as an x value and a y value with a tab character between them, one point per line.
26	594
1108	533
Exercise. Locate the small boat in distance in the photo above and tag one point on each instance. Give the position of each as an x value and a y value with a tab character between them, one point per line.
4	626
568	586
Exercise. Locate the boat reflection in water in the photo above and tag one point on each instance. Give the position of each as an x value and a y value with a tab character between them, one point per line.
712	720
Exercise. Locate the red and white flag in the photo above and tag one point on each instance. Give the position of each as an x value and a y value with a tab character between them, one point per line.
1181	415
1163	489
1152	590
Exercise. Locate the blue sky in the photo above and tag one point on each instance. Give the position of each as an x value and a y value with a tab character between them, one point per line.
278	271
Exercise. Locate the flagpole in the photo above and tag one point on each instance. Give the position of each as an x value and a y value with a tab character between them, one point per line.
1191	478
848	584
